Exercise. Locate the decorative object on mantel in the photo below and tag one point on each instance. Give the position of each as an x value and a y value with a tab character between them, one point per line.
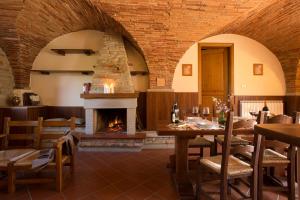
104	85
187	69
14	100
258	69
160	82
86	88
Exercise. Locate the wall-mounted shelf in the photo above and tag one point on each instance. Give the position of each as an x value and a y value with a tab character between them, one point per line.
134	73
47	72
63	52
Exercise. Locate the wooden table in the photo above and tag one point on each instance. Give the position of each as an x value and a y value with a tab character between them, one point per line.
182	136
287	133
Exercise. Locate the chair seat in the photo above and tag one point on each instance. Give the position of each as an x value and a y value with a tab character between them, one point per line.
236	167
270	156
12	154
199	142
234	140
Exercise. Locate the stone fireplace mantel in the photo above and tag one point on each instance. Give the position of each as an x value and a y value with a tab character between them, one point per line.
93	102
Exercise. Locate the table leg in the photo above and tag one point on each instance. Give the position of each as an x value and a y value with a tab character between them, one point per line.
260	168
298	171
184	185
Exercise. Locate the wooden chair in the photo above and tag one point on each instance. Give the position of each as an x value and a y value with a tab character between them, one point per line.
50	137
237	139
272	153
225	168
200	143
24	163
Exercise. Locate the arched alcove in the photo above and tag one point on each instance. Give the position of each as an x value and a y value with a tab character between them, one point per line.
246	53
65	81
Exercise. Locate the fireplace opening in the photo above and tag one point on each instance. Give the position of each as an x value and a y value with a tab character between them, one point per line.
111	121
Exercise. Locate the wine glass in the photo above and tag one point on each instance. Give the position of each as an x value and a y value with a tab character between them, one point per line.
205	112
195	110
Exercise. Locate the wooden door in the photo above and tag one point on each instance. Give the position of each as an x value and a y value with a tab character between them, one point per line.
215	75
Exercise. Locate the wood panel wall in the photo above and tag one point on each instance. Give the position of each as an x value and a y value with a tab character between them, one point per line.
292	105
159	104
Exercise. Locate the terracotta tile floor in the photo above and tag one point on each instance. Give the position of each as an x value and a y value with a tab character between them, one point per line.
107	176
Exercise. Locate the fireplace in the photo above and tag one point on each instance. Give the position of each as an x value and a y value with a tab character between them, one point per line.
111	121
121	104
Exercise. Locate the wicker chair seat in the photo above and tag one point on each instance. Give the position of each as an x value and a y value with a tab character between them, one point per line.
270	156
236	167
199	142
8	155
234	140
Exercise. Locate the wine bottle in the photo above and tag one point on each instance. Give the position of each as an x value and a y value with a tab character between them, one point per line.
176	111
265	108
173	117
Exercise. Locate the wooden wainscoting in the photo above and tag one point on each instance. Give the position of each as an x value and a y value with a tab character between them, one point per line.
159	104
292	105
65	112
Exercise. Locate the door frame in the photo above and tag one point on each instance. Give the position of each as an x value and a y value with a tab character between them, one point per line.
230	65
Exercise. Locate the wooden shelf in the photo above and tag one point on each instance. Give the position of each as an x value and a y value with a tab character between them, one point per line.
143	73
63	52
47	72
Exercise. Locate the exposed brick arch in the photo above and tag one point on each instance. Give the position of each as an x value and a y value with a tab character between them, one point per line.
42	21
278	28
163	29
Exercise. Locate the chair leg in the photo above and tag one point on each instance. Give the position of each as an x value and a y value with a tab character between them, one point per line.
72	163
11	179
291	173
224	190
201	152
260	168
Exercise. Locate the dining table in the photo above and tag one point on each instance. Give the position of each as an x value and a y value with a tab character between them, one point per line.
287	133
183	133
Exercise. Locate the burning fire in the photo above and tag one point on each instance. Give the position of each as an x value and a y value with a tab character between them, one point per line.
115	122
116	125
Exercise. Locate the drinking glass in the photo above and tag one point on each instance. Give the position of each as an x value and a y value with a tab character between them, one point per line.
215	121
205	112
195	110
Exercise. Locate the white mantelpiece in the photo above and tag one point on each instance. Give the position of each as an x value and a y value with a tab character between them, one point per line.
93	102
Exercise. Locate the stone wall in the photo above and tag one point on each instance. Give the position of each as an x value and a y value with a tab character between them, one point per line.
6	79
112	65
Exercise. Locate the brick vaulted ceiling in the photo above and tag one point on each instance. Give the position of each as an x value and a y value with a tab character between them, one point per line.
162	29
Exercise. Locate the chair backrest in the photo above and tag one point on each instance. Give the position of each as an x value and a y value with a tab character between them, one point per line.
64	123
30	131
227	145
280	119
243	124
55	134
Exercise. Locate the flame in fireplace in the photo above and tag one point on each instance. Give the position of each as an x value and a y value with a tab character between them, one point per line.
116	125
115	122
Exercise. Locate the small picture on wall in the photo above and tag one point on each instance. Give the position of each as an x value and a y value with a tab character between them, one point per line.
258	69
160	82
187	69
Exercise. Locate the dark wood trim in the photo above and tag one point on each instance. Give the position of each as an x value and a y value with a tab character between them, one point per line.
109	95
